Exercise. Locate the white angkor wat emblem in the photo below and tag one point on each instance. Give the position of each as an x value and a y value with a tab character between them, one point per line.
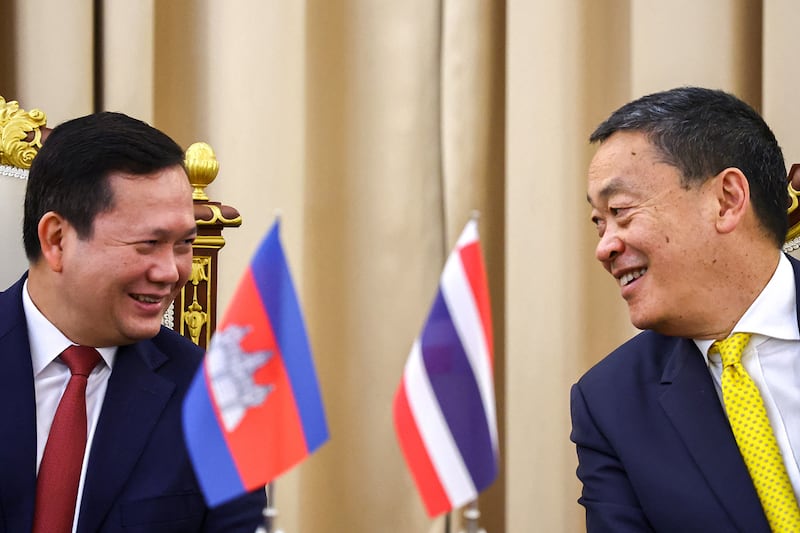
230	371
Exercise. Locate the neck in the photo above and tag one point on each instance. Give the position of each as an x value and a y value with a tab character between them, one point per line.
745	277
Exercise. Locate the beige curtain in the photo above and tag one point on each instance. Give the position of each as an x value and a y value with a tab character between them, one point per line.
375	128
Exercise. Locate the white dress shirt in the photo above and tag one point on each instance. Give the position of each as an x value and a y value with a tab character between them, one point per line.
772	358
50	378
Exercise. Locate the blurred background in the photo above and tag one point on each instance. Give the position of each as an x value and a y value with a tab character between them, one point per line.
375	128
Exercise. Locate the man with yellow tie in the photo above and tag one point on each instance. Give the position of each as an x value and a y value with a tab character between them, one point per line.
694	424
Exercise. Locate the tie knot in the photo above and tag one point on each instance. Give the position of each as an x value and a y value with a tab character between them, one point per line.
730	349
80	359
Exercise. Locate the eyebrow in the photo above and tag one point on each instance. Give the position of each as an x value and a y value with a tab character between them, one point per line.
162	233
613	186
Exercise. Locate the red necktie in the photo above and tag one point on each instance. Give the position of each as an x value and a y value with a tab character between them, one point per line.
60	469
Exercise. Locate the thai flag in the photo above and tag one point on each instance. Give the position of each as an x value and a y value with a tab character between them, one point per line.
254	408
444	411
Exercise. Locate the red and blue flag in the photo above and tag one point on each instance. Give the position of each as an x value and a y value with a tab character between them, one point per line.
254	408
444	408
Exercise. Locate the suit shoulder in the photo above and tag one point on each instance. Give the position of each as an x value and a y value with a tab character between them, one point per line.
641	358
11	296
176	345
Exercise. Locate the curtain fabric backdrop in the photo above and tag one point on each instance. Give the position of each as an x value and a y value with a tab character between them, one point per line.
375	128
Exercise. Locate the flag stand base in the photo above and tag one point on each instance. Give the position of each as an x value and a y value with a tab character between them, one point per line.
471	516
270	513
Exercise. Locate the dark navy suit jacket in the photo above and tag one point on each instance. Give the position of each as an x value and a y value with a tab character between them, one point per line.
139	478
655	449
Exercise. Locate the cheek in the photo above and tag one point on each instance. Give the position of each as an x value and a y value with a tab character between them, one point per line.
94	269
674	236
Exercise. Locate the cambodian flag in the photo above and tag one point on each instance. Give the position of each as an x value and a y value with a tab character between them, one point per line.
254	409
444	410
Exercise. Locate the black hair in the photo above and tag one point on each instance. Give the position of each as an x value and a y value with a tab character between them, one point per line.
702	132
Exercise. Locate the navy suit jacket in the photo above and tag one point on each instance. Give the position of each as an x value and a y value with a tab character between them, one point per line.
139	478
655	449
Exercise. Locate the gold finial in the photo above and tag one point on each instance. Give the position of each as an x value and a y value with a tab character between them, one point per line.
202	167
16	127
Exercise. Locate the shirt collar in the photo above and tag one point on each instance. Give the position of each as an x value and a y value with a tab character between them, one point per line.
46	341
773	313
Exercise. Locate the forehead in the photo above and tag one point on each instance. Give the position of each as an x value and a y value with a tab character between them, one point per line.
160	200
628	161
166	182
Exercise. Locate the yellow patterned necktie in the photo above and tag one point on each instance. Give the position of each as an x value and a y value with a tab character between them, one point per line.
754	436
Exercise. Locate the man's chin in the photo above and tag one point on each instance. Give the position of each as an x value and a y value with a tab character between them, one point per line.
142	332
670	328
642	321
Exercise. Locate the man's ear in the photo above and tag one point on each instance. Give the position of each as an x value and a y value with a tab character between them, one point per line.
733	196
51	231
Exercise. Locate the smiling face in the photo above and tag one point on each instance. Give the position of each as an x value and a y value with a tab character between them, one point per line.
115	285
657	236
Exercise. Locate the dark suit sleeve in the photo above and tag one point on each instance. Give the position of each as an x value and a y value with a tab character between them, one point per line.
242	515
610	502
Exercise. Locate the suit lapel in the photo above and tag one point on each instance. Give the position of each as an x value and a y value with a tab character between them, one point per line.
18	430
134	400
692	405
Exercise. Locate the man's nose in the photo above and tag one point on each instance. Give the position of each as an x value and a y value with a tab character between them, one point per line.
609	247
165	267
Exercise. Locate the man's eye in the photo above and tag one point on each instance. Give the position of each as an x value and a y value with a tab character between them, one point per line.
599	224
146	247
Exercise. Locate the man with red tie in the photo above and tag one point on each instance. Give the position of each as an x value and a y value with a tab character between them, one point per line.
92	383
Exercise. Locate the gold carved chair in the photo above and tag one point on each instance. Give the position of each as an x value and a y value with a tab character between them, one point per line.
792	244
194	312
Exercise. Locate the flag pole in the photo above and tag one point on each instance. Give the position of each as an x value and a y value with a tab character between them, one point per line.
270	511
471	516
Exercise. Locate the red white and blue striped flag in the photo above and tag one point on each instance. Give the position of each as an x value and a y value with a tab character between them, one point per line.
444	409
254	409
